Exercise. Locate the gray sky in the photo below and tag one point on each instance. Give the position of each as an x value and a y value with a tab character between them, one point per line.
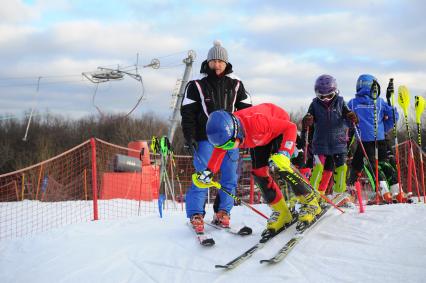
277	48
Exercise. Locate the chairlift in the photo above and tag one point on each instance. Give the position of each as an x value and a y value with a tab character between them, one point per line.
105	74
102	75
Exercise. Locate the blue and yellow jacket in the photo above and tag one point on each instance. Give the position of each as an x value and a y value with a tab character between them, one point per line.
363	106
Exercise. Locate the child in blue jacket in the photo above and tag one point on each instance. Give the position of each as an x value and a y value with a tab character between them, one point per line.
363	106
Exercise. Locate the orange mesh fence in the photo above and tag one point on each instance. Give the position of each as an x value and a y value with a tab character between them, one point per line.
60	191
50	194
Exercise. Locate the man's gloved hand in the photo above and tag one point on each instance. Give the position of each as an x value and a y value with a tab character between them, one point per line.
308	120
285	153
389	91
205	176
191	145
351	116
281	160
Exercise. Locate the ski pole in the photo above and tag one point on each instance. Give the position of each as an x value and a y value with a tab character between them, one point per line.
395	135
420	106
305	153
219	186
358	192
357	134
375	89
155	147
404	102
165	149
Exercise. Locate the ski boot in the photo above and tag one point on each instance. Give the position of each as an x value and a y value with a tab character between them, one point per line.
405	198
221	218
386	194
395	192
197	222
308	211
343	200
278	220
400	197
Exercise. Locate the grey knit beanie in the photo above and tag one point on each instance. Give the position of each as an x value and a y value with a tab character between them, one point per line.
217	52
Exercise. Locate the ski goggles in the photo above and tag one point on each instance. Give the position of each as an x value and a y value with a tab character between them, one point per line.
228	145
327	96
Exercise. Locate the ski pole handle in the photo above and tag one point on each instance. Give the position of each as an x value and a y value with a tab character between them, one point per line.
404	98
419	106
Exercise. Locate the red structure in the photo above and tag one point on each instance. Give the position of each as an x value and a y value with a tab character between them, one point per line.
143	185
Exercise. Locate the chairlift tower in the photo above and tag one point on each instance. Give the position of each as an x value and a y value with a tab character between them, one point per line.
174	118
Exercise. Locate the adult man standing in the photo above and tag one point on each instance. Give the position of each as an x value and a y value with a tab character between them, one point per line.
216	89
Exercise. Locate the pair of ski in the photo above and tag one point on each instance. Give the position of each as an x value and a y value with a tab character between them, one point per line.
205	239
281	253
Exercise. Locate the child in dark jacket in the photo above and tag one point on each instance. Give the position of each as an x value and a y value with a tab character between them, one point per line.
331	118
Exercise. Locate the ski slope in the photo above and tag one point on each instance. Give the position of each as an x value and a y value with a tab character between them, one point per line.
385	244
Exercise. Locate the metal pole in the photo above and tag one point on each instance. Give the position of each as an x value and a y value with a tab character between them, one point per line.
176	110
32	111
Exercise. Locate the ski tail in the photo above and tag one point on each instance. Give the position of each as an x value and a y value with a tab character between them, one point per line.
203	238
241	230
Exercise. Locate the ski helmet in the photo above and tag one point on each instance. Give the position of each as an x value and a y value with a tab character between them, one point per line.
222	129
364	83
326	87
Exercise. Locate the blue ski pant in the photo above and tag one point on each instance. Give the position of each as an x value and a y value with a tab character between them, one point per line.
196	197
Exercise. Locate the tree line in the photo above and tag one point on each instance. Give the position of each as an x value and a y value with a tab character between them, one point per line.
52	134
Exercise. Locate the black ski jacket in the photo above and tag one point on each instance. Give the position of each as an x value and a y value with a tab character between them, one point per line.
207	94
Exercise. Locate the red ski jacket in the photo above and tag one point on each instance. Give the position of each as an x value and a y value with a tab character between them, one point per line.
261	124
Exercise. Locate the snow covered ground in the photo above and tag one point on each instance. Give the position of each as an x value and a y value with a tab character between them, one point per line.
385	244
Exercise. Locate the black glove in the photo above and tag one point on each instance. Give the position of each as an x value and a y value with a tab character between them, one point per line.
389	91
351	116
375	89
308	120
191	145
205	176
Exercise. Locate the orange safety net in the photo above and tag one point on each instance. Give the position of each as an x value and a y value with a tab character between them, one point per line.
63	190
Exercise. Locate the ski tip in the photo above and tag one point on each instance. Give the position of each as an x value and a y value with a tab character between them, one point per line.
207	242
245	231
266	237
265	261
222	266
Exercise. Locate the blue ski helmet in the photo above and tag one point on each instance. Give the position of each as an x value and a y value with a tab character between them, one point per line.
223	127
364	83
326	87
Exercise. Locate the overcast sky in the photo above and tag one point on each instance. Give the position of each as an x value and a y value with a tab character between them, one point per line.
277	48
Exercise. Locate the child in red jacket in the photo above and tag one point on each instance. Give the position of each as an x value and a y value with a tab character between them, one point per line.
266	129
